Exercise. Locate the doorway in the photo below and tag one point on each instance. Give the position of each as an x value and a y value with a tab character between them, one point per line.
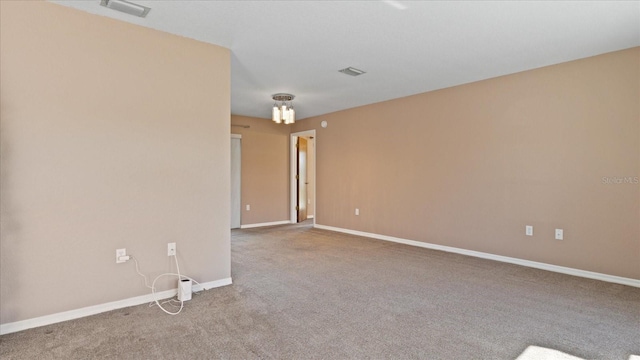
303	178
236	165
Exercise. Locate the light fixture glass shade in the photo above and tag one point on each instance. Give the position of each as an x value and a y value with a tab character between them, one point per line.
276	117
126	7
292	116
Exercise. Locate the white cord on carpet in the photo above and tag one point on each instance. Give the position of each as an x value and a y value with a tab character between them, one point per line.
153	286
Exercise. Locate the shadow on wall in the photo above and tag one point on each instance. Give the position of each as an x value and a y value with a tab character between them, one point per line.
10	230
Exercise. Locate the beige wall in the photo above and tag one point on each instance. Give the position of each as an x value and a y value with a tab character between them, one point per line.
470	166
265	169
112	136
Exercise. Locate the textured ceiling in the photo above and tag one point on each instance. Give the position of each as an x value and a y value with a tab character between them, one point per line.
406	47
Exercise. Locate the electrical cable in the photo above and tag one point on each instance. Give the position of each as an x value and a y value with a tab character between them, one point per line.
153	286
153	289
139	273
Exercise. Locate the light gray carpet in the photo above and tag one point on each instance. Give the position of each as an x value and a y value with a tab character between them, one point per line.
303	293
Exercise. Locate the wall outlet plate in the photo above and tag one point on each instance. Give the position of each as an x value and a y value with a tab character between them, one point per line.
119	253
528	230
171	249
559	234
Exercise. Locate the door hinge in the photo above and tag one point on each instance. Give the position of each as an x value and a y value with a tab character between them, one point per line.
297	177
297	208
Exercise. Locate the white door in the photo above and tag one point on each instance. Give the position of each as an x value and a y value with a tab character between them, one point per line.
235	180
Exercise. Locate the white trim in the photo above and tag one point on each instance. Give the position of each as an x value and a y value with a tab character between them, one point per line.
97	309
236	136
249	226
210	285
506	259
309	216
293	166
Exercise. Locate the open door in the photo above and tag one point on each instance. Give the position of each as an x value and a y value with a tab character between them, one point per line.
301	176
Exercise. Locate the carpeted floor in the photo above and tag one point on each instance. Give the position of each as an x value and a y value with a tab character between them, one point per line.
304	293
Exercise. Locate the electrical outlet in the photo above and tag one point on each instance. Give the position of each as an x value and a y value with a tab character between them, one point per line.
357	211
171	249
528	230
559	234
119	253
248	207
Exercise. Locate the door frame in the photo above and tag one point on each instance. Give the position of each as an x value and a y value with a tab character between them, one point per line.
293	195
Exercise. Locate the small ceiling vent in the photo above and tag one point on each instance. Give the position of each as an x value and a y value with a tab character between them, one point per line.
126	7
352	71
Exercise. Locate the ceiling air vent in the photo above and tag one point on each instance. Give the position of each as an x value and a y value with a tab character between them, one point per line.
126	7
352	71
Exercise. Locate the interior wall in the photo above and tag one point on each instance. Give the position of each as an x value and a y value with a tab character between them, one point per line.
112	136
470	166
265	169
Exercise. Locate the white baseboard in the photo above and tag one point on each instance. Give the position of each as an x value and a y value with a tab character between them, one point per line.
97	309
309	216
249	226
506	259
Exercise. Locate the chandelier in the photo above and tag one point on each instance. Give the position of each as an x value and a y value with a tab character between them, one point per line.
284	112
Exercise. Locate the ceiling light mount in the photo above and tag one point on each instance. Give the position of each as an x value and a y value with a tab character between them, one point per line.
126	7
284	112
283	97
